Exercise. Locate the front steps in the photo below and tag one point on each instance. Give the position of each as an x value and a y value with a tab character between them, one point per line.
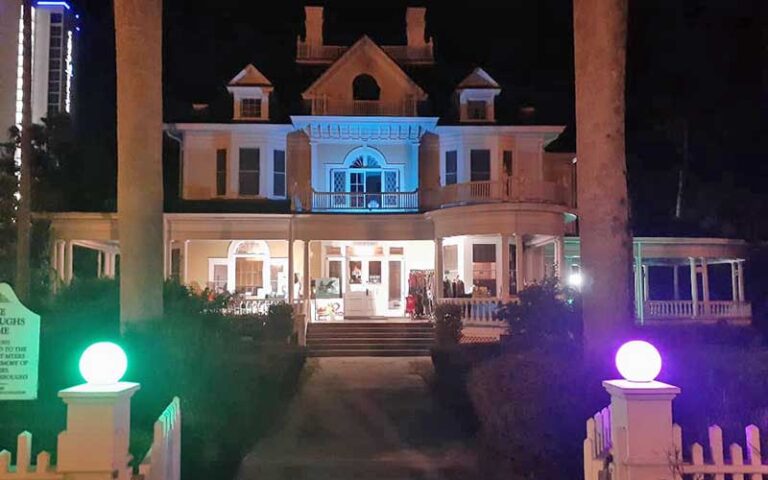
369	339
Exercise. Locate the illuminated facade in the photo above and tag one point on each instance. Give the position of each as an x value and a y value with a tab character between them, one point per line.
54	41
364	200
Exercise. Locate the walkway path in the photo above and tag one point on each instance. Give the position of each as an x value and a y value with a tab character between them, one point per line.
366	419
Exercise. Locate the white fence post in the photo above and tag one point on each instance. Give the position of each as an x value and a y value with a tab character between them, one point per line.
95	442
642	429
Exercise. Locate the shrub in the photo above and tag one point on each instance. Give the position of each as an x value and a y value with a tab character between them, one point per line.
448	324
544	313
279	322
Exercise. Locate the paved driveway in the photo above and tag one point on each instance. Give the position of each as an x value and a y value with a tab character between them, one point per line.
364	418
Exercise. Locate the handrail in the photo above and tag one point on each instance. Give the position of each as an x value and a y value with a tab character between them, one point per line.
361	201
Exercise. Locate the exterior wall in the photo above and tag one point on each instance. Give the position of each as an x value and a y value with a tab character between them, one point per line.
199	157
198	253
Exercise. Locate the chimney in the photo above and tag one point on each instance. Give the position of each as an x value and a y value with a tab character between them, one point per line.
415	24
314	26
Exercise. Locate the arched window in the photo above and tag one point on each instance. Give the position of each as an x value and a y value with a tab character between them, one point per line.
249	267
365	178
365	87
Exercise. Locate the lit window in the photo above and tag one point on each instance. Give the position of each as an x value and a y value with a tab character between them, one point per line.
476	110
250	108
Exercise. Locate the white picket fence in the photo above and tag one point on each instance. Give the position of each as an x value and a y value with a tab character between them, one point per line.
163	460
478	311
696	465
23	469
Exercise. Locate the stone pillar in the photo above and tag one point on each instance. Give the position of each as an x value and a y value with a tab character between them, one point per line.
439	269
641	428
694	287
519	262
676	281
742	297
504	284
95	442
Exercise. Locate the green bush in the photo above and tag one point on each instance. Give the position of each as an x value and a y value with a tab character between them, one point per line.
279	322
448	326
544	313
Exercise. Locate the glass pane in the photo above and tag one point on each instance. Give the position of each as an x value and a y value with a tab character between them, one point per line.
334	269
249	159
249	183
374	271
248	275
279	184
279	161
395	274
480	165
355	272
508	165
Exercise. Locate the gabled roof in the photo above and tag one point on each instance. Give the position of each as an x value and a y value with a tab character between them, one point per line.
250	76
364	44
479	78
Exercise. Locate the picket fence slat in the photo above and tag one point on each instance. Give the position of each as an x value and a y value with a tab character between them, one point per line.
5	461
737	459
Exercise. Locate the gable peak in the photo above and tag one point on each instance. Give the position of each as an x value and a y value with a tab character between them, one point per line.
250	76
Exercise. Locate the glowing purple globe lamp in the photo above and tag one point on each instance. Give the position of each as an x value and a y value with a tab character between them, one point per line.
638	361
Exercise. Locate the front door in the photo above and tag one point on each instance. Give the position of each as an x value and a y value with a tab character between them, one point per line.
363	288
373	189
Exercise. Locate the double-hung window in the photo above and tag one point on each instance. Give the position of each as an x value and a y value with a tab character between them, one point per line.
221	172
249	171
451	167
250	108
480	165
278	174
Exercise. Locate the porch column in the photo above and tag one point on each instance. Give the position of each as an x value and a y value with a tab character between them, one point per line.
560	271
740	270
694	287
676	280
646	284
639	294
54	261
705	279
291	284
519	262
185	263
99	263
305	279
60	260
438	293
69	267
109	265
504	284
734	283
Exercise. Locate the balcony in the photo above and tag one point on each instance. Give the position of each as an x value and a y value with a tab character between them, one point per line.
325	54
354	202
510	190
670	312
327	106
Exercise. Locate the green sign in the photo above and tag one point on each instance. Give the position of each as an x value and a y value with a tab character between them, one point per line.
19	347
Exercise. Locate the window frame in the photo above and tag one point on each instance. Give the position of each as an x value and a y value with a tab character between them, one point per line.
448	174
250	172
221	173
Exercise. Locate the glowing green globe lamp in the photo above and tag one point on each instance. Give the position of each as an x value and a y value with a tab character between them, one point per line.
103	363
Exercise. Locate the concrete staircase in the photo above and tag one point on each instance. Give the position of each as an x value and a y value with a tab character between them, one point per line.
369	339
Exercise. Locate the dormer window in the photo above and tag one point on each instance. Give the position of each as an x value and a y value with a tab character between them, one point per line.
250	108
476	110
250	91
476	95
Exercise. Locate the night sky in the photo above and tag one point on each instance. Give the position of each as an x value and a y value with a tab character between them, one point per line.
703	64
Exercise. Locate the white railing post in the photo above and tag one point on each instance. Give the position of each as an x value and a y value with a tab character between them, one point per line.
95	442
641	428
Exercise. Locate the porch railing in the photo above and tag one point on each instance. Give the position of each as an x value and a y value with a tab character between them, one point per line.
330	106
705	311
511	189
260	306
478	311
365	202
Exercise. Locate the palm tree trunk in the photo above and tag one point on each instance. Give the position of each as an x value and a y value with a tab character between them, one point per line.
600	29
138	30
23	218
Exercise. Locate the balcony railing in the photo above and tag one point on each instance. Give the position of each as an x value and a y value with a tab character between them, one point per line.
328	106
365	202
705	312
509	190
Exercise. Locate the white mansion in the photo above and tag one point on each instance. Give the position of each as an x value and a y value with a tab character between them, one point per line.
382	209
